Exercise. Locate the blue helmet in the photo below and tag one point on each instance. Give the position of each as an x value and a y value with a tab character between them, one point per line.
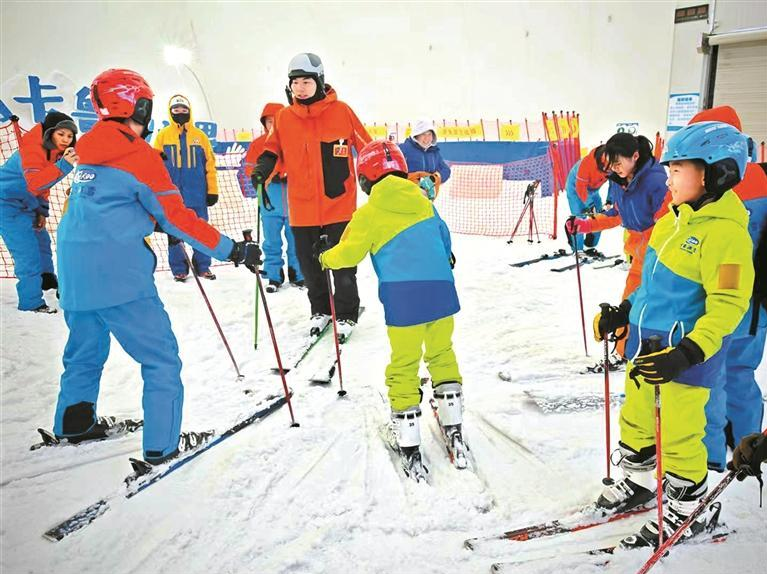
720	146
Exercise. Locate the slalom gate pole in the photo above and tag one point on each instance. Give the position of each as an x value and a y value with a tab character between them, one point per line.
246	233
701	508
341	392
574	239
240	376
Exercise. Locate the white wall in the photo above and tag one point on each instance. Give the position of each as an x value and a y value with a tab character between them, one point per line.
391	61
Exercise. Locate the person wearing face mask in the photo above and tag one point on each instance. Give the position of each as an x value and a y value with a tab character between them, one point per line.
313	137
192	167
423	156
45	156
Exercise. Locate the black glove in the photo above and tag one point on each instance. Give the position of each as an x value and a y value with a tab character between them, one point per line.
320	246
246	253
666	365
749	455
452	260
612	320
212	199
173	240
257	179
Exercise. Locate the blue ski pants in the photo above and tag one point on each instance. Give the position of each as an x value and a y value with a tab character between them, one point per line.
200	261
273	260
143	329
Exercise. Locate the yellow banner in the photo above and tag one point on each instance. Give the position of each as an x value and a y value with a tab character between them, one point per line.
564	128
509	132
377	132
471	131
551	129
575	128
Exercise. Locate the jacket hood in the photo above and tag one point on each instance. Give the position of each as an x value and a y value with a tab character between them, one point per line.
422	126
729	206
107	141
399	195
726	114
315	108
270	109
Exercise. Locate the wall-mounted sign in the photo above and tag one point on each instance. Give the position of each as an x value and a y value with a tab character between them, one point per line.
681	109
627	127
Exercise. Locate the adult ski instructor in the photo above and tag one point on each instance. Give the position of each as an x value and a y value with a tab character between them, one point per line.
313	137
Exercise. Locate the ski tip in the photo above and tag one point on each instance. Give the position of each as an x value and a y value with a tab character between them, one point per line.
469	544
342	393
295	425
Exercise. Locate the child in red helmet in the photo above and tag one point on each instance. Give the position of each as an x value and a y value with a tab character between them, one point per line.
410	248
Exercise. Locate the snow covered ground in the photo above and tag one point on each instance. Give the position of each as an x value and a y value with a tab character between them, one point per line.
326	498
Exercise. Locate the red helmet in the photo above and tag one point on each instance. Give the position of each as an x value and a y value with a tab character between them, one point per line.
122	94
377	159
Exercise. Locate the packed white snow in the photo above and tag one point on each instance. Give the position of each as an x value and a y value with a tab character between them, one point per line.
327	497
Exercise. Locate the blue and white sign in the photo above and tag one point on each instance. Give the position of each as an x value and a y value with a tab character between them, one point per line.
681	109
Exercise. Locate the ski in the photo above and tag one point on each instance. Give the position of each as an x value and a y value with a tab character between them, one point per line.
615	263
324	374
302	352
609	551
115	428
545	257
585	261
457	449
584	519
410	464
616	363
137	482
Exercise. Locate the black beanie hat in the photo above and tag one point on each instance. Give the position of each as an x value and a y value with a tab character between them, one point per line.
55	120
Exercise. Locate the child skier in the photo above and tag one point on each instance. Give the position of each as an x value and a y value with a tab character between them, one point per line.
582	188
410	248
696	284
45	156
121	190
273	209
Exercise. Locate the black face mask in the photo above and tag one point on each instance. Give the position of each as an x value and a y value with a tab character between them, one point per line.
181	119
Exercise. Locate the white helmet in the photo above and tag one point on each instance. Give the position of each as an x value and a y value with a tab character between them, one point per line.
308	65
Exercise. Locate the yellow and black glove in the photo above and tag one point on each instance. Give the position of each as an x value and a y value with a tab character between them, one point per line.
666	365
612	320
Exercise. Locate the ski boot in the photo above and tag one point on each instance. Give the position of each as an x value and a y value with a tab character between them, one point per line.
345	328
317	323
104	427
449	399
273	286
406	439
293	278
638	485
683	497
180	277
207	275
187	441
49	281
44	308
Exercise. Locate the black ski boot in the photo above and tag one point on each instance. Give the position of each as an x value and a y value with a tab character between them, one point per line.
684	497
638	485
292	278
49	281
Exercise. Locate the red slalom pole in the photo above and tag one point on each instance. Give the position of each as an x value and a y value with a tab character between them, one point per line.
240	376
341	392
246	233
701	508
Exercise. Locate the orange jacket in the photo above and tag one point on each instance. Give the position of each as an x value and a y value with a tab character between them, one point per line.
589	176
314	143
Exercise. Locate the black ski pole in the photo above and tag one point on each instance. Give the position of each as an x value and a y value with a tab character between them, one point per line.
248	235
240	376
341	392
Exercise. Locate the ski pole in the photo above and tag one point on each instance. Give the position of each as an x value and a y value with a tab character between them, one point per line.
240	376
700	509
256	294
654	345
341	392
574	239
247	235
607	481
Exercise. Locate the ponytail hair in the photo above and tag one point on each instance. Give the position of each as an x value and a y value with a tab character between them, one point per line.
625	145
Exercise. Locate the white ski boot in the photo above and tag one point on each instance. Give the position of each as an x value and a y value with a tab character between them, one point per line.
406	438
683	497
638	485
449	399
345	328
317	323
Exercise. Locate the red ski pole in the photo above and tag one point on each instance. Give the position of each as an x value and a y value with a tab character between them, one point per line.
247	234
574	239
700	509
341	392
606	366
240	376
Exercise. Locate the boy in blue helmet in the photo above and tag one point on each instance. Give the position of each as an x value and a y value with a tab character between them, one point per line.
696	283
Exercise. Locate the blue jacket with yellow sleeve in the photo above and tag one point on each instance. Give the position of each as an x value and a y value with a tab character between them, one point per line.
190	161
696	283
409	245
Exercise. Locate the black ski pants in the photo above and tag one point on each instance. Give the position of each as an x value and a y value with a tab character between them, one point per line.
345	294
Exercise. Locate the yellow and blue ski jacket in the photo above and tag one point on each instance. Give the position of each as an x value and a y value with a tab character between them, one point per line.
696	283
409	245
190	161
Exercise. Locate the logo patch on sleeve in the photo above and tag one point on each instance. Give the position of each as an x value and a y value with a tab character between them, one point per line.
729	276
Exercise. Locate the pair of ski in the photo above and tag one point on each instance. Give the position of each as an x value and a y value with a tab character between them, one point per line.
145	475
589	261
323	374
545	257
